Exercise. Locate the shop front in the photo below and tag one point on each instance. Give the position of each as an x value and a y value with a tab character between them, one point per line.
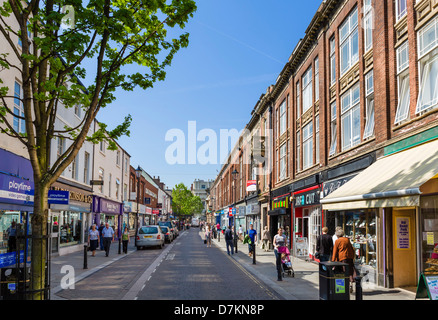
16	204
108	211
240	216
280	217
252	215
307	220
389	213
70	220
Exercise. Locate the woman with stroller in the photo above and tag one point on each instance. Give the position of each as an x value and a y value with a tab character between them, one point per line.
279	244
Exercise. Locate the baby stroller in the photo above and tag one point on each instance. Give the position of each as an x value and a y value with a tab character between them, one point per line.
286	263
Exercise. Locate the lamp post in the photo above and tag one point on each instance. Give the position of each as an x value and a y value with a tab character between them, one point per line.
137	174
235	173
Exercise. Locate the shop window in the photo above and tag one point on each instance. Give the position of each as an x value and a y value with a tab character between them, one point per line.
429	228
360	228
70	228
6	219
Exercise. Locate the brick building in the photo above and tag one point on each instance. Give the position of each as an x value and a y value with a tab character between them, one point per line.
354	138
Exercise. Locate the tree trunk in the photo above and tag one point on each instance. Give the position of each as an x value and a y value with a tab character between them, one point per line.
39	241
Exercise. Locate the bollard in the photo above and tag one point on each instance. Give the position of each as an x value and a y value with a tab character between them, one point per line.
85	257
219	236
120	244
253	253
358	281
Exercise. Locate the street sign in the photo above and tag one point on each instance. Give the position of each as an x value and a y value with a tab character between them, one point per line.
58	197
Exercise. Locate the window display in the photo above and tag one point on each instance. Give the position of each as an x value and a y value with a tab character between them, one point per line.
360	227
70	228
429	217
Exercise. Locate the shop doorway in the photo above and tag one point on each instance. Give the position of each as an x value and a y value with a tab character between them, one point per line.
404	250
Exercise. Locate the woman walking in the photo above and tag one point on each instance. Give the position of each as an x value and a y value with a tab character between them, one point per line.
343	252
93	239
125	240
208	235
279	248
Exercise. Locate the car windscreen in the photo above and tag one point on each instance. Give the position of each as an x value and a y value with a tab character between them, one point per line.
148	230
167	224
164	229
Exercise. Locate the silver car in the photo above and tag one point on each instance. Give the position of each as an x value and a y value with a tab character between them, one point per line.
150	236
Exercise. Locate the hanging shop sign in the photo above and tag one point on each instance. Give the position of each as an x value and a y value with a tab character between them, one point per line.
280	203
251	185
58	197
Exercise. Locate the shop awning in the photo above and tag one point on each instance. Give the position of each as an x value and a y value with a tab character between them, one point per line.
392	181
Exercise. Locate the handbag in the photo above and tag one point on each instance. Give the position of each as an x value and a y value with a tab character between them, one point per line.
205	241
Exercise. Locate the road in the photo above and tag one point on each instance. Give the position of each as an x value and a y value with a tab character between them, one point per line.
184	270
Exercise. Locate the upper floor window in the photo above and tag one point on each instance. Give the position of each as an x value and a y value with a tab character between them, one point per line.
350	118
333	129
332	61
428	58
308	145
298	100
349	42
403	83
307	90
401	8
283	158
316	79
19	123
283	117
368	24
369	85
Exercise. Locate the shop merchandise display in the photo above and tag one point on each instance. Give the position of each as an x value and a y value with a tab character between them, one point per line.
432	262
361	229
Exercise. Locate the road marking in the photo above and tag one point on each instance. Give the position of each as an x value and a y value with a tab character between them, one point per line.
170	256
146	276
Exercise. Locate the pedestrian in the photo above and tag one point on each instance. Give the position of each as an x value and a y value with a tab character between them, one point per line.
12	237
324	245
101	227
125	239
266	238
279	244
335	237
93	239
108	238
252	233
241	233
343	252
229	240
208	235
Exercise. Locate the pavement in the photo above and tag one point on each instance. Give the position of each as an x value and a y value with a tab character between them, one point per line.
303	286
305	283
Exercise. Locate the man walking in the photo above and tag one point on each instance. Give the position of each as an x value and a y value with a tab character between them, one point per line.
229	240
324	245
253	236
108	238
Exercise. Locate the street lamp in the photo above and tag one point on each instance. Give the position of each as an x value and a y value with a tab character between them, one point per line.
137	174
235	174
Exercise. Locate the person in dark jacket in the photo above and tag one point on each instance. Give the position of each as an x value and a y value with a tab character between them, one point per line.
324	245
229	240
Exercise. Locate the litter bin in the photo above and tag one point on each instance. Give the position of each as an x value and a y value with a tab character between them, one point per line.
334	283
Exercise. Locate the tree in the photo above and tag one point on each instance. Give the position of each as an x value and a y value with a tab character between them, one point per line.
184	202
113	35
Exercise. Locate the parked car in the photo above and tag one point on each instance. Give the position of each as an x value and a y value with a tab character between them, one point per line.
171	226
168	235
150	236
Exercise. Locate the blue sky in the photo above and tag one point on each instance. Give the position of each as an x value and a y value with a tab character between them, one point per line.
237	49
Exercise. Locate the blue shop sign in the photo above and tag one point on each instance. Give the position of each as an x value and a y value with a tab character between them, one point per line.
16	190
58	197
8	259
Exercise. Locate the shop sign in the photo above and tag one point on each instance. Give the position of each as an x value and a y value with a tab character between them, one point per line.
148	210
58	197
308	198
252	209
16	190
127	206
251	185
8	259
155	211
283	203
427	287
109	206
76	196
333	185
